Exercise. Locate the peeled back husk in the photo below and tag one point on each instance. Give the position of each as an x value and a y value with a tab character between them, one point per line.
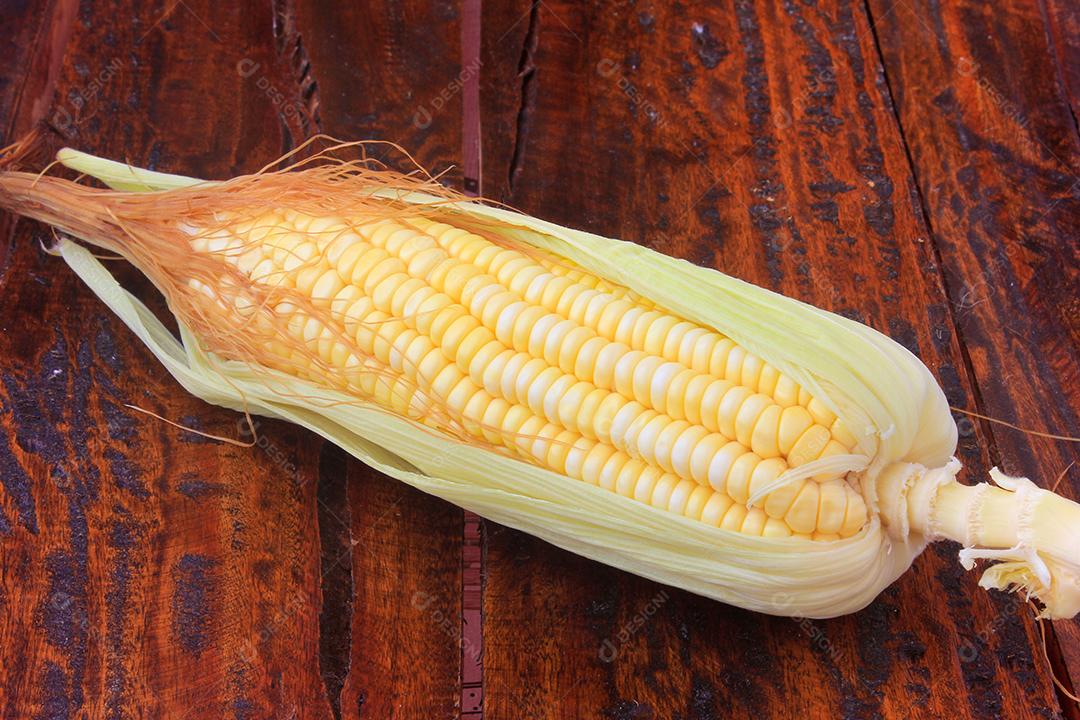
882	392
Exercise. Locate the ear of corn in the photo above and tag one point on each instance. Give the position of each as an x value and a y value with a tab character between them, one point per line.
674	421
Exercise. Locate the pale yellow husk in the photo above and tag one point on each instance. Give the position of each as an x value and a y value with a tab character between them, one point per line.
880	390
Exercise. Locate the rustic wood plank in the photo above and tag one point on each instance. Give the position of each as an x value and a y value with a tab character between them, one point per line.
25	87
146	572
1063	25
155	574
24	79
996	164
388	71
759	139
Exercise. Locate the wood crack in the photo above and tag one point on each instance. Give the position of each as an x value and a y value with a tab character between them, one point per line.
924	213
527	74
59	31
1059	71
337	586
1054	654
290	49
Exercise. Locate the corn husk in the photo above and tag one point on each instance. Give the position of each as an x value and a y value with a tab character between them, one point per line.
882	392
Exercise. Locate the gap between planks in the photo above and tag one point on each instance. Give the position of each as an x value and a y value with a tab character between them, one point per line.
1053	651
471	682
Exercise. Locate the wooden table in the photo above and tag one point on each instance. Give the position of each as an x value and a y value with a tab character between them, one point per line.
910	164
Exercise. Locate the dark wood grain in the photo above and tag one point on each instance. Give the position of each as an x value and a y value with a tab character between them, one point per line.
146	572
380	72
997	166
909	165
1063	21
759	139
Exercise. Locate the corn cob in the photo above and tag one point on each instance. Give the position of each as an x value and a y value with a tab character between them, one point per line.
505	341
513	368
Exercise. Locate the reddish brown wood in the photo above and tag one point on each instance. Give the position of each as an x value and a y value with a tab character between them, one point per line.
996	165
759	139
843	153
145	572
1063	21
388	71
